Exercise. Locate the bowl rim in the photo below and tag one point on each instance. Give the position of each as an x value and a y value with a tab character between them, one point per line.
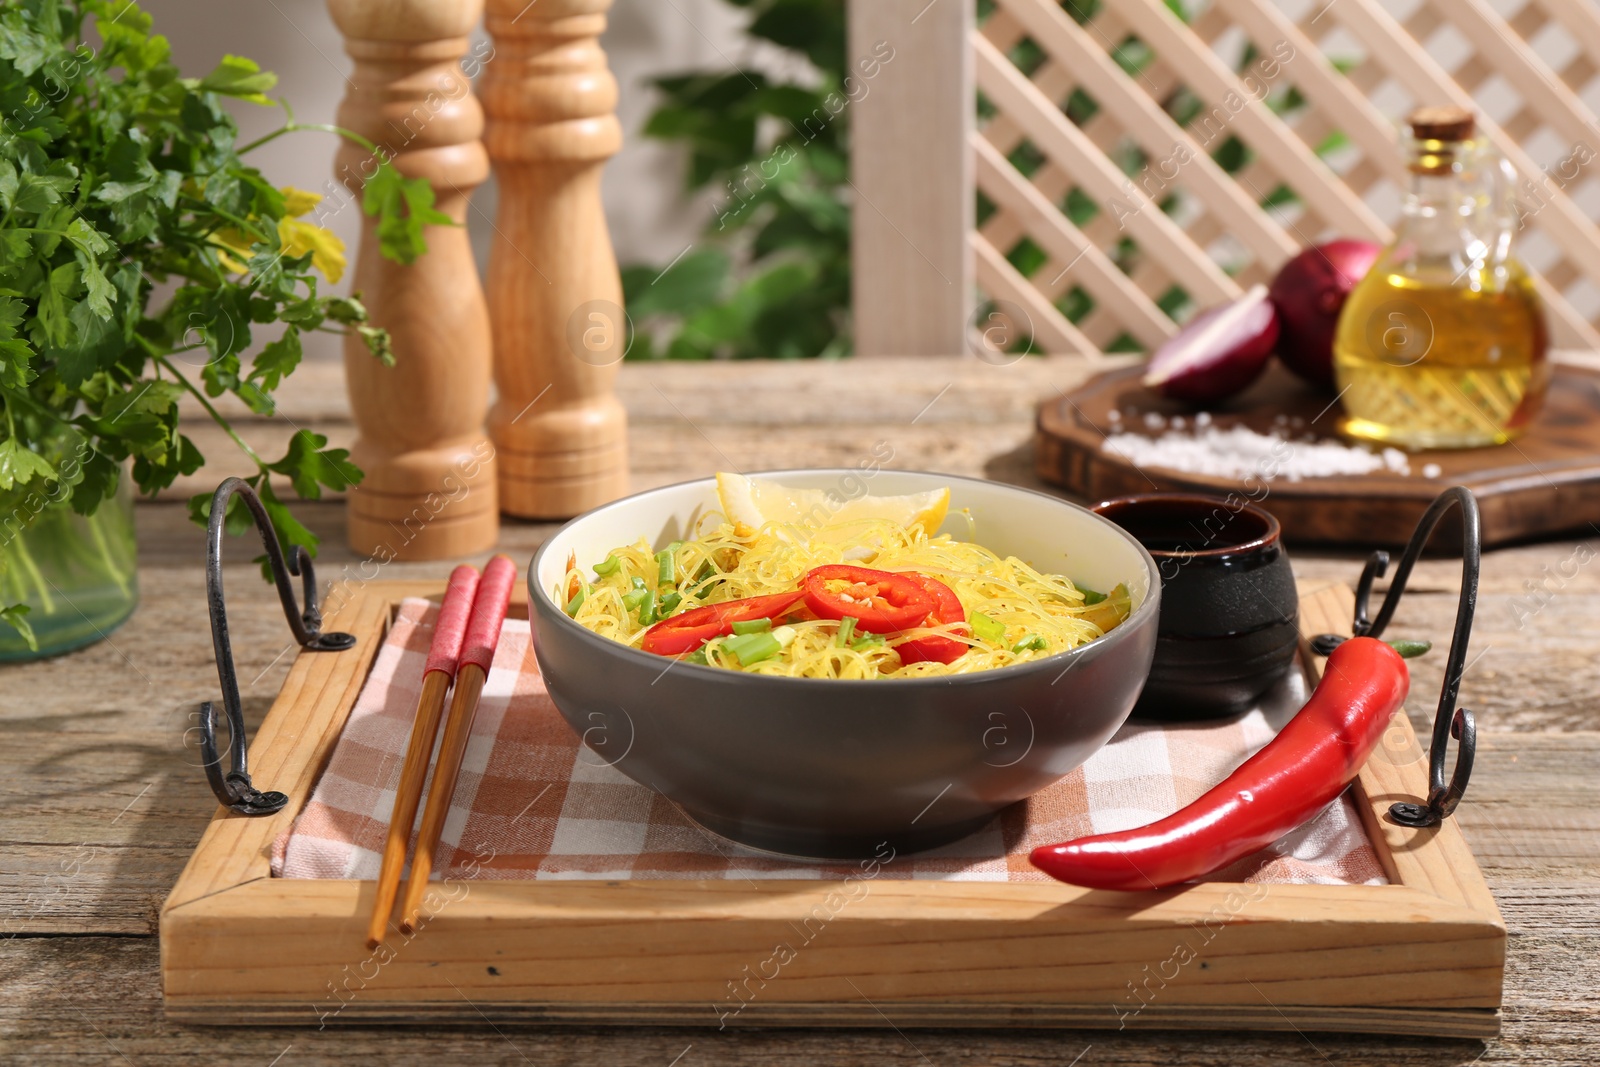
1271	535
1063	660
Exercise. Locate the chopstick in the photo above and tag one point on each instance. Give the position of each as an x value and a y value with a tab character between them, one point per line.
477	654
443	654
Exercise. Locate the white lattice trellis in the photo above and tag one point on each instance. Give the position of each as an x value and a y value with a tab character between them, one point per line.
1135	165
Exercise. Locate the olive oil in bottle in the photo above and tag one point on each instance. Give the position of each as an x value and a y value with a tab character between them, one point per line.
1442	344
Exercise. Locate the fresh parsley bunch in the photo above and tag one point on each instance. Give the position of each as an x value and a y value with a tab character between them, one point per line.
121	182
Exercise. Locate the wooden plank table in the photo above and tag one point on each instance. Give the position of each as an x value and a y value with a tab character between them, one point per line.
101	801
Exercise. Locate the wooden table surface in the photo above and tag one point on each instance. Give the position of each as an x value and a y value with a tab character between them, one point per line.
101	800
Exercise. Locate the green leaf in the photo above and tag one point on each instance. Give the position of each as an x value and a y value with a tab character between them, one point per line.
151	396
796	106
693	282
20	465
16	355
347	310
111	192
238	519
403	206
200	508
289	530
9	180
16	248
96	344
277	360
53	308
309	466
16	616
15	359
812	27
239	77
28	52
86	239
36	192
378	342
98	481
88	247
227	193
671	122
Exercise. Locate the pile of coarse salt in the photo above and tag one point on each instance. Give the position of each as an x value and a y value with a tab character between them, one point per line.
1238	451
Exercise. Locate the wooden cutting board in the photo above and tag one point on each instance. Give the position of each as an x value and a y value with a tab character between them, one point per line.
1544	483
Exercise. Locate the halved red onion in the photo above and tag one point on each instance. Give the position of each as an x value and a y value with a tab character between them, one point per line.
1218	353
1309	292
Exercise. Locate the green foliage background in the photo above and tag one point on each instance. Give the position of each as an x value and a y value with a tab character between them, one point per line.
771	276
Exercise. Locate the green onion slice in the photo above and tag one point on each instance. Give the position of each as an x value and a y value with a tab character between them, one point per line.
847	630
986	629
752	648
752	626
577	601
607	567
1030	643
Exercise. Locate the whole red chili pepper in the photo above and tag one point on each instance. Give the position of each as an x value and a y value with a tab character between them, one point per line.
1298	772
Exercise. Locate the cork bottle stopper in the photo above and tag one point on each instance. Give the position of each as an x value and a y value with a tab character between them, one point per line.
1441	124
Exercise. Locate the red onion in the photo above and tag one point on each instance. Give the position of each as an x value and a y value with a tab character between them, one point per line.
1218	352
1309	292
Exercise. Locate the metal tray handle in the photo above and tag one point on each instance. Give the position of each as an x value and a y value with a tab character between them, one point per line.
233	787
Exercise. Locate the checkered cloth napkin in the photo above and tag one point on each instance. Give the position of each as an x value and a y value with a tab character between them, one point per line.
532	802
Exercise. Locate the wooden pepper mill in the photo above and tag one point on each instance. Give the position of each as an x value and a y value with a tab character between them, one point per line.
430	489
555	298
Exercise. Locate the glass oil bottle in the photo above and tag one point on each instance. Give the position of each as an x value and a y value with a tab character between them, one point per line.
1442	344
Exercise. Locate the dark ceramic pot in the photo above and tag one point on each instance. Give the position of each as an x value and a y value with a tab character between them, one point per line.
1229	610
819	768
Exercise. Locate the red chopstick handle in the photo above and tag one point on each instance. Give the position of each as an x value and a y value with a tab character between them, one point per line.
488	612
451	628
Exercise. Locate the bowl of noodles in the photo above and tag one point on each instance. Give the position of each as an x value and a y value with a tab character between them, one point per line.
819	688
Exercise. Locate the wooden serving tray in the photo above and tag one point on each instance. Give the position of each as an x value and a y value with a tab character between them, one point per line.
1423	955
1546	482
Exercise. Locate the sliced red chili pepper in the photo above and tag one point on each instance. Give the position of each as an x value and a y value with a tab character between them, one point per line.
935	648
688	631
1307	765
881	602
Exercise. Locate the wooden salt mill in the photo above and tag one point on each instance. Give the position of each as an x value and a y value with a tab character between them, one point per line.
555	298
430	489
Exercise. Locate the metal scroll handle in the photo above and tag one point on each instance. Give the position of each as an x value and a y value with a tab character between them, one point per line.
1449	721
234	788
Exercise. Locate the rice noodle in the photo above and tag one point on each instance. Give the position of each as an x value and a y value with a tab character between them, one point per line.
722	562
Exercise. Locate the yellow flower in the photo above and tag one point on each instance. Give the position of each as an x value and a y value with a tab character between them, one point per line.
297	202
228	242
327	251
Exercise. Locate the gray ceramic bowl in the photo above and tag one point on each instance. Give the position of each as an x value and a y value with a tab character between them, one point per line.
818	768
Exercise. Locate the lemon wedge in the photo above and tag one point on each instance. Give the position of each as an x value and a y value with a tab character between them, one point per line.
750	503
